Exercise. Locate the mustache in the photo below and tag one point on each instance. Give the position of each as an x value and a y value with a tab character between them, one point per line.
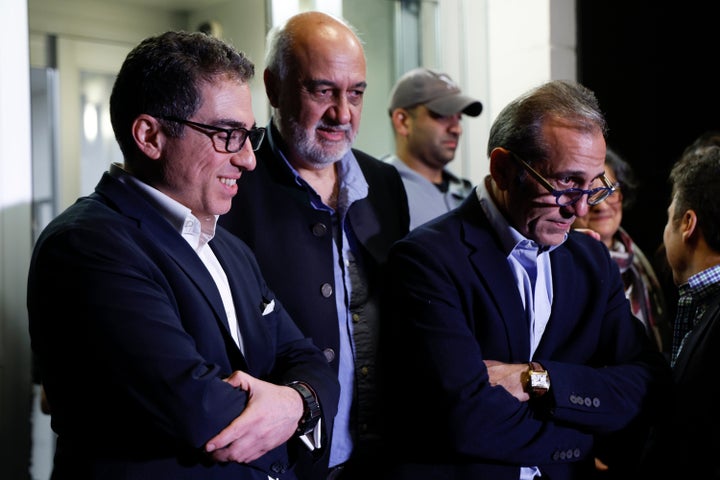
347	128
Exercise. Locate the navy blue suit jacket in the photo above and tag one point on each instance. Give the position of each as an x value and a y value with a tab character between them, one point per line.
685	442
133	344
455	303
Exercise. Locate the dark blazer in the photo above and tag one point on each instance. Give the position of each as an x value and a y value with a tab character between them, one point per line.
685	442
133	344
293	244
455	304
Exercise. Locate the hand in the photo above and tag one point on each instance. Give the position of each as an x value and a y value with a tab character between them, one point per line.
588	231
509	376
270	418
600	466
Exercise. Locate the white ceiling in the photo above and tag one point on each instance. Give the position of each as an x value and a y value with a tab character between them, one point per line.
168	4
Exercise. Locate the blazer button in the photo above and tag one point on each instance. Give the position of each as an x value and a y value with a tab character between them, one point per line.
329	354
326	290
319	229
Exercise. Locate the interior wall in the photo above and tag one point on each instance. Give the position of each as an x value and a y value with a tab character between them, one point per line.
496	50
373	20
15	240
244	25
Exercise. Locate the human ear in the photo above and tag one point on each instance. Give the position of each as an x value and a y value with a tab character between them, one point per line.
689	225
501	172
272	88
399	118
149	136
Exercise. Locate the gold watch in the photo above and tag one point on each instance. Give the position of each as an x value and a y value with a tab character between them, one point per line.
537	380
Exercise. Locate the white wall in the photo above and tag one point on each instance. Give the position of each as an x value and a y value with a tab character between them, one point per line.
498	49
15	239
374	21
244	25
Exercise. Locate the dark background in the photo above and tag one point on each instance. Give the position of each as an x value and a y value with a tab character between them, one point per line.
653	69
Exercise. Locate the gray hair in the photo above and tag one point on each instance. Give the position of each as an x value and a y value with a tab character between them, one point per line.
279	40
518	127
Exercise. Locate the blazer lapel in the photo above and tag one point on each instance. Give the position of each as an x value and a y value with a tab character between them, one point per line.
249	315
696	337
489	261
126	201
564	284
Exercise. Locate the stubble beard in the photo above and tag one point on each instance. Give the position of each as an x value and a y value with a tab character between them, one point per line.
313	150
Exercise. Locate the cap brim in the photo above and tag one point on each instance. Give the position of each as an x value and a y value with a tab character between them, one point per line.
453	104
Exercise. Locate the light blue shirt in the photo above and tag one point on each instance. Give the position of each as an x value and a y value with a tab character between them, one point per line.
530	264
425	200
352	187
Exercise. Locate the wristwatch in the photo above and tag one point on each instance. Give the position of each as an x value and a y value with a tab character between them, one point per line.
537	380
311	408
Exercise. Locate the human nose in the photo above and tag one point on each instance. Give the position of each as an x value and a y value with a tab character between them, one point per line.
453	124
581	207
456	128
245	157
341	110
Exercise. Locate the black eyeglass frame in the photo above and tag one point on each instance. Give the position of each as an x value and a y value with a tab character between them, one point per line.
255	134
594	196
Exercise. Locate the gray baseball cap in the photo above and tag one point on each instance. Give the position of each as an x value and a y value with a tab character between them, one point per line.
437	91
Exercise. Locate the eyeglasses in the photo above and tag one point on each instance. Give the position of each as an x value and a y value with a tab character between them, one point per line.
570	196
616	196
225	140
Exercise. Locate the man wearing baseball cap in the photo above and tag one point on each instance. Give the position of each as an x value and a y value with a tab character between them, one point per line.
426	108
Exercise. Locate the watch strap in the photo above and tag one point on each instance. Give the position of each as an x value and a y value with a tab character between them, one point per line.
311	407
535	369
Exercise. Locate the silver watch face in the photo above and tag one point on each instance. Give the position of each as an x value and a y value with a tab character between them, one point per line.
539	380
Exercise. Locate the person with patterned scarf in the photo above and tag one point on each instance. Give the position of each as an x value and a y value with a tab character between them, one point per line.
642	287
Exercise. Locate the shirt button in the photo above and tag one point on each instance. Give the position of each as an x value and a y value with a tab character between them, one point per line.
329	354
326	290
319	229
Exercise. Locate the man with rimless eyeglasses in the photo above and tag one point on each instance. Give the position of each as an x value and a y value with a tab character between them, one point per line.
513	331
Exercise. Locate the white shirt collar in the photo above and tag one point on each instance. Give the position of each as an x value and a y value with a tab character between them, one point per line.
179	216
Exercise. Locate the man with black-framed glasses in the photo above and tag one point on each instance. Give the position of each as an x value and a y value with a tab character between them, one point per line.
163	352
228	140
512	353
